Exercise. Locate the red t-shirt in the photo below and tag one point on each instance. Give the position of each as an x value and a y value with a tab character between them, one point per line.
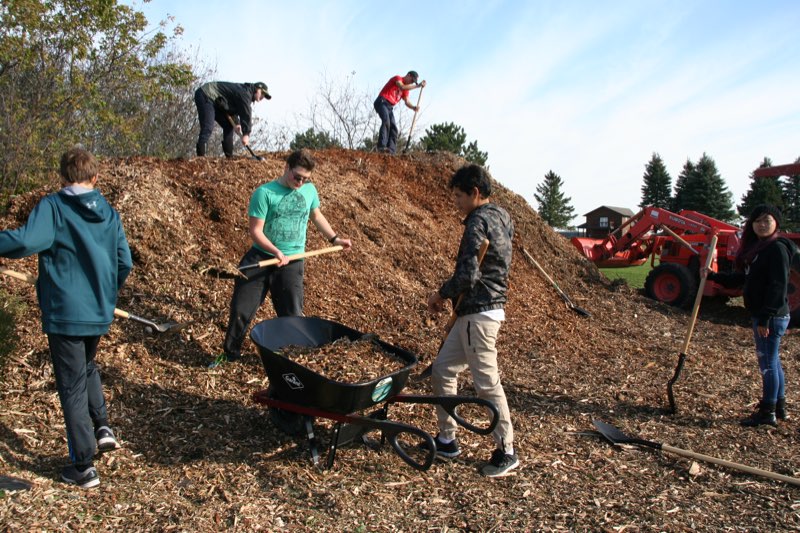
392	92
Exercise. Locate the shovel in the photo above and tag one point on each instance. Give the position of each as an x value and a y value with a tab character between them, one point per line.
581	311
252	153
293	257
413	121
692	321
615	436
167	327
425	374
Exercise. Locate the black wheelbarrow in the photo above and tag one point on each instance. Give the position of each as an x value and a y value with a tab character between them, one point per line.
297	394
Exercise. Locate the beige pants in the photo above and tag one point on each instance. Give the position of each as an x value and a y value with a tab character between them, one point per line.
471	344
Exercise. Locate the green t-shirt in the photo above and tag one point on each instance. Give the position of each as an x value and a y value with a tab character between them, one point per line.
285	213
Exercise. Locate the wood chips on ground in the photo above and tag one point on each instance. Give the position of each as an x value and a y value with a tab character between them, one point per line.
200	455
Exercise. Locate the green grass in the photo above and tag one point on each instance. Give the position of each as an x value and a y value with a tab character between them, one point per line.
633	276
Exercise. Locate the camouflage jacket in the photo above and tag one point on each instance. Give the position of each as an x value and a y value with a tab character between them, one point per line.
484	288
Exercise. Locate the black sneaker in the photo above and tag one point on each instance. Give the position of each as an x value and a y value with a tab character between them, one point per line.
447	451
106	441
222	359
85	480
444	451
500	464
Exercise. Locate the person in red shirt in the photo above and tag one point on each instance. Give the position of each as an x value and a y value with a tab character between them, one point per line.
396	89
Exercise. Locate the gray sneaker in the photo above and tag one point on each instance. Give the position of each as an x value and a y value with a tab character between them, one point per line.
500	464
106	441
85	480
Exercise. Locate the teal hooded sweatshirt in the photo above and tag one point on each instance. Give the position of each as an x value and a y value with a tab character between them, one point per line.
84	259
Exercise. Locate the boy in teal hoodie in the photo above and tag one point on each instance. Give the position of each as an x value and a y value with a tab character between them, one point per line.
84	259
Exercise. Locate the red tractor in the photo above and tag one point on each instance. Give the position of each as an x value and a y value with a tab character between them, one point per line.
681	242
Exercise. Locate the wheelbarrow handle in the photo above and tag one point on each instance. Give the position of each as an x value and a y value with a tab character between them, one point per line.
451	404
392	430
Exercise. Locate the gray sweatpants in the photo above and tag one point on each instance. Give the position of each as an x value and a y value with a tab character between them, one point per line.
471	344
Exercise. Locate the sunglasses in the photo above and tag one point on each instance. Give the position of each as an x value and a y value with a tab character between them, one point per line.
300	177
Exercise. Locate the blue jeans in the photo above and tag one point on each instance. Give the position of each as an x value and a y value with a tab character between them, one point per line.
387	135
769	360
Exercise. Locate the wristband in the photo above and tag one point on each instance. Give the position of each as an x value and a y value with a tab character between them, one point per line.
333	239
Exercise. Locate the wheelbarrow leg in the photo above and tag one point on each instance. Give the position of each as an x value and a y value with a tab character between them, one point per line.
312	442
334	444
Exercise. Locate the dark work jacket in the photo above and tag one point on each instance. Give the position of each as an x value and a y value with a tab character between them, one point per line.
485	287
235	99
765	280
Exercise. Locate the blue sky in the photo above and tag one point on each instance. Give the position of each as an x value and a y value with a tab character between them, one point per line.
587	89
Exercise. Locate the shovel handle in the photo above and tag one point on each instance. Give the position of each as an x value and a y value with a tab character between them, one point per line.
731	465
293	257
414	120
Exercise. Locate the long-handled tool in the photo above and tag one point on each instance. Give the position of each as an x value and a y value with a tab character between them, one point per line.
252	153
425	374
413	121
692	320
293	257
615	436
166	327
581	311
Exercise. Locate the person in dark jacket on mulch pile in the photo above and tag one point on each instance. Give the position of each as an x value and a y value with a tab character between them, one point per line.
83	261
223	101
471	341
762	265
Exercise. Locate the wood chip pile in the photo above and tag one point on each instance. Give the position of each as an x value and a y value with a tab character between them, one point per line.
346	361
200	455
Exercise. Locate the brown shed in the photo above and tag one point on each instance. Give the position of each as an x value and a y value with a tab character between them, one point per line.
603	220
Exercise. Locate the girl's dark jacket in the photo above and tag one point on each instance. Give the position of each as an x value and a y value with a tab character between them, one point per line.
765	280
485	287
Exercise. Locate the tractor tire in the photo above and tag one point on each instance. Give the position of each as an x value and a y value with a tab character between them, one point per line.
293	424
672	284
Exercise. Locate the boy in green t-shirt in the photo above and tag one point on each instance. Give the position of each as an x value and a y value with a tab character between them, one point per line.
278	219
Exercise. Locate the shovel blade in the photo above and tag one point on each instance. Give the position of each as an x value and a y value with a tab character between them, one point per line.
615	436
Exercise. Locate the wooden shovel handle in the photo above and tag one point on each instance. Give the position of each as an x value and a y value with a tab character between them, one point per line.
294	257
32	280
699	295
731	465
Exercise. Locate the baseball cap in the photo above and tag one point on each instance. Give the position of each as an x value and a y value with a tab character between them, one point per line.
413	74
263	86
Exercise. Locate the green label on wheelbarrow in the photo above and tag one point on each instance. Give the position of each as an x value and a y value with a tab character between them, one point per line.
382	389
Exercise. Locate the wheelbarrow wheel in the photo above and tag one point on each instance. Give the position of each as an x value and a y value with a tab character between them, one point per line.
293	424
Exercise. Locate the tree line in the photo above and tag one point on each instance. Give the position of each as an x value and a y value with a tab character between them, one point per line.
699	187
90	72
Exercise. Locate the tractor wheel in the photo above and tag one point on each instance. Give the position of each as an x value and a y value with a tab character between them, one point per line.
671	283
793	294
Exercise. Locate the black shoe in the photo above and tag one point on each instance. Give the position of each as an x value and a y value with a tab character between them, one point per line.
780	409
106	441
500	464
764	415
445	451
85	480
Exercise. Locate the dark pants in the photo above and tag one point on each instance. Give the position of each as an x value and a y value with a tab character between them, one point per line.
387	135
207	114
284	284
80	392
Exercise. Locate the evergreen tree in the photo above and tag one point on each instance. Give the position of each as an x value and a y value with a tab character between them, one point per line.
315	140
762	191
657	184
791	202
449	137
554	207
702	189
680	185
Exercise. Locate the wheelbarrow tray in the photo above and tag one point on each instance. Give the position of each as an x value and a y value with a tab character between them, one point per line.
295	383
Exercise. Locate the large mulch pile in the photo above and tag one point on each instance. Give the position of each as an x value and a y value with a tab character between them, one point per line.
200	455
